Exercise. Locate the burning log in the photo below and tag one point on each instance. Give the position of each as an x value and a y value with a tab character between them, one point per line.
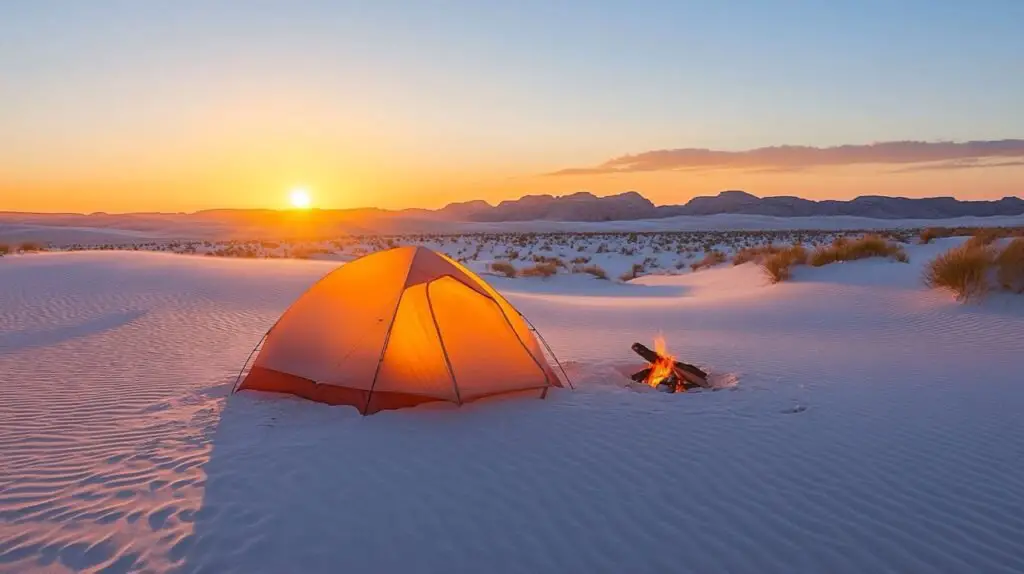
689	375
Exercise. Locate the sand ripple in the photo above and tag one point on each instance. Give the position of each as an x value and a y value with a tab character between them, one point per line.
879	435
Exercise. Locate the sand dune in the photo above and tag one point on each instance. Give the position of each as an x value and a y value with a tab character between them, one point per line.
864	425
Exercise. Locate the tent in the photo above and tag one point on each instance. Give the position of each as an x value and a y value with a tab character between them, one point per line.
398	328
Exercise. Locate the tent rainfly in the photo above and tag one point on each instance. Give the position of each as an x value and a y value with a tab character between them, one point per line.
396	329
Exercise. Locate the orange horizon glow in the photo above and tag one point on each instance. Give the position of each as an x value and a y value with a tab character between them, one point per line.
417	187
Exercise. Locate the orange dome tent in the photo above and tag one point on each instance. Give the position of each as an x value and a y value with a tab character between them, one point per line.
398	328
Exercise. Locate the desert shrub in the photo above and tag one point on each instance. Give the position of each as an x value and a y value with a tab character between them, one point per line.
580	260
983	237
843	249
633	272
930	234
962	270
777	266
30	246
556	261
711	258
797	254
596	271
540	270
503	268
756	254
1010	266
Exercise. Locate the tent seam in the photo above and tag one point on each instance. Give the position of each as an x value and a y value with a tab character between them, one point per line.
440	339
387	335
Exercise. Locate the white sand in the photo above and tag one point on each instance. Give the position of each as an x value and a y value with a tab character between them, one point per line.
867	425
60	230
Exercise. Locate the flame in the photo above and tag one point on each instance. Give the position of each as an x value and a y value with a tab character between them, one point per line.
664	366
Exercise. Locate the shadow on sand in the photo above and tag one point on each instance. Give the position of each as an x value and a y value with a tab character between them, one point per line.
297	486
27	339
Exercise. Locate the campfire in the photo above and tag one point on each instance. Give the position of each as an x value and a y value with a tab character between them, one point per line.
665	373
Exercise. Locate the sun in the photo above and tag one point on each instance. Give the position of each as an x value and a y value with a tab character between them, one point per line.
300	198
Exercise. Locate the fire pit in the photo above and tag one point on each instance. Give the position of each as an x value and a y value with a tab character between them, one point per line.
666	373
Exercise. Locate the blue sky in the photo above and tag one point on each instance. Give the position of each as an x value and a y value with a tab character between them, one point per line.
495	88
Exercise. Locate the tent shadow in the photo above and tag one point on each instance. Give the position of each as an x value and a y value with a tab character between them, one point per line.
297	486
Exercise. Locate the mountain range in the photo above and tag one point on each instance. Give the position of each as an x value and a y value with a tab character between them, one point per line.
546	210
585	206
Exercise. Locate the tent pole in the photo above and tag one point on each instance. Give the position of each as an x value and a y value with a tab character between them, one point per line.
440	339
383	349
548	347
238	379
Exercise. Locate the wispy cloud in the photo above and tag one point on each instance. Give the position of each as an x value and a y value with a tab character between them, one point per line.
948	155
973	164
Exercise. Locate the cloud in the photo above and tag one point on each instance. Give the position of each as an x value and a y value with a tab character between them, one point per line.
972	164
794	158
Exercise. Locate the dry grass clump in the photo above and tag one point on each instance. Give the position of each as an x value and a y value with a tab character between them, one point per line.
504	268
962	270
595	270
540	270
1010	266
930	234
778	266
633	273
843	249
545	260
711	258
757	254
983	237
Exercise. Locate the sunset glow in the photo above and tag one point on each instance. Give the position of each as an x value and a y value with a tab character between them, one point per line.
300	198
449	110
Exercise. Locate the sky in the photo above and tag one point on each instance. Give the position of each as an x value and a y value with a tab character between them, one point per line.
191	104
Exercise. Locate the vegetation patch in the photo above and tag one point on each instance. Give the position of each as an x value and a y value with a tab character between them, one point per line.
1010	266
844	249
504	268
711	258
963	271
539	270
778	266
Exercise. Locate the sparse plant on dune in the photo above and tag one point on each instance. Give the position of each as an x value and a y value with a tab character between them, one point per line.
556	261
778	266
711	258
755	253
503	268
983	237
635	271
1010	266
843	249
595	270
962	270
539	270
930	234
